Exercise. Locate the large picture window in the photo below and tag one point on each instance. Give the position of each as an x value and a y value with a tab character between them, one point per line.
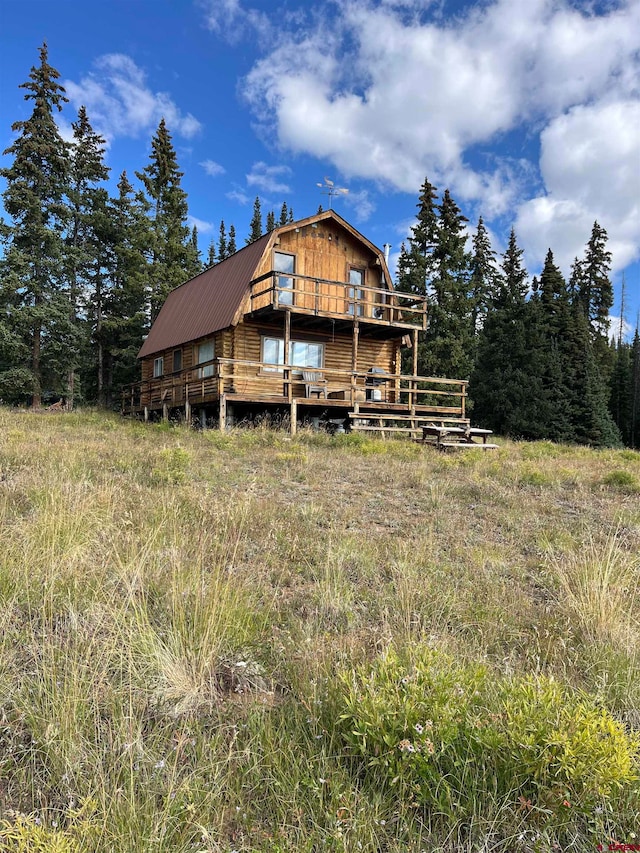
301	353
205	352
283	263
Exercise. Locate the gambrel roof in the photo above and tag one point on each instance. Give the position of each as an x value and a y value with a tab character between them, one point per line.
210	301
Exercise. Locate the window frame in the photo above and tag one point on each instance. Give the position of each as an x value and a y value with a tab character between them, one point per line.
204	372
356	291
158	367
286	296
278	366
177	352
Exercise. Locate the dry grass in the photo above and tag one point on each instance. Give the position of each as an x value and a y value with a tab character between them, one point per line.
174	607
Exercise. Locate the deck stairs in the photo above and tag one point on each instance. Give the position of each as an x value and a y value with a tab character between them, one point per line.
443	433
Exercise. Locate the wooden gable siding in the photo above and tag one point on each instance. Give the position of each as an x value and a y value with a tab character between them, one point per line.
324	251
250	381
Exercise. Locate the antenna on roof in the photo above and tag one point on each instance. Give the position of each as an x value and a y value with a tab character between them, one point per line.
329	188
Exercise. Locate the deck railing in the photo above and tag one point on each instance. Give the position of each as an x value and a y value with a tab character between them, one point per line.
257	381
324	297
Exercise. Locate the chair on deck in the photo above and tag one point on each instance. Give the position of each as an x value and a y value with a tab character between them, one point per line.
314	383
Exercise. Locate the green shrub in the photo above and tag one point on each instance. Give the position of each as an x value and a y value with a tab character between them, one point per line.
446	735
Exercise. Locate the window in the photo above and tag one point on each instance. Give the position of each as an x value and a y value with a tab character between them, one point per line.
284	264
301	353
356	278
205	352
177	360
158	367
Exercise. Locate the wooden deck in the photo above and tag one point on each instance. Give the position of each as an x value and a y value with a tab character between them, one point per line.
379	402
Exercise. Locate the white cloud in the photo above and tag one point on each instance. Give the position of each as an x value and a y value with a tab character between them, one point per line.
212	168
361	203
269	178
202	225
387	92
238	196
120	102
590	163
229	19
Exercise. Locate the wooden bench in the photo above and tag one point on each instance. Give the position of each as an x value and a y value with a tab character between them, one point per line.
459	438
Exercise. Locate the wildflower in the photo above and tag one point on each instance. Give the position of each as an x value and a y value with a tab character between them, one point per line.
525	804
406	746
159	765
419	728
566	803
428	725
428	745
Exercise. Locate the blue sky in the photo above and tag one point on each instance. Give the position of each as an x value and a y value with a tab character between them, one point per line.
528	110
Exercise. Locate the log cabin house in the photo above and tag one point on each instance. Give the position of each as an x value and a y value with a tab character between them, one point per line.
304	322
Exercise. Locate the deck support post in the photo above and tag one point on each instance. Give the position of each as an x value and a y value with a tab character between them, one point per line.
293	427
414	383
354	363
187	412
222	422
146	414
287	340
165	412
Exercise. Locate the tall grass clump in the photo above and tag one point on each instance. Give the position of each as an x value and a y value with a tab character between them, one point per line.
598	590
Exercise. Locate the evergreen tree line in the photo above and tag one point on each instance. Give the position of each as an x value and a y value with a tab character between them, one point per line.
538	354
84	274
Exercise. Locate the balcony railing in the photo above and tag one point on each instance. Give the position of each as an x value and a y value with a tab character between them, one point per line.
338	299
259	381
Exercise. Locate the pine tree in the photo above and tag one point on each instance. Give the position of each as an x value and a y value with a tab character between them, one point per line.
194	248
271	221
231	245
173	258
484	275
450	337
211	256
284	214
124	316
84	262
222	243
635	391
256	222
504	387
37	182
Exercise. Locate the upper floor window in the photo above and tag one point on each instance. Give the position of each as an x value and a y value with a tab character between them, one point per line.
177	360
205	352
158	367
283	263
356	293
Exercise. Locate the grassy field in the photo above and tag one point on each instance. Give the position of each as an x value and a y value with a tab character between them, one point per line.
246	642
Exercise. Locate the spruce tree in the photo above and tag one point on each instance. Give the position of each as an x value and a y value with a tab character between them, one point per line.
450	337
256	222
231	244
484	275
211	256
173	259
222	243
635	391
84	259
124	315
37	183
504	386
271	221
284	214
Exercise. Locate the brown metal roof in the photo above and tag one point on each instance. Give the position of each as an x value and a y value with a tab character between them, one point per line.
209	302
206	303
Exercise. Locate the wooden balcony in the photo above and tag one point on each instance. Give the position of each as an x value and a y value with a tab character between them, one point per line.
318	297
349	394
